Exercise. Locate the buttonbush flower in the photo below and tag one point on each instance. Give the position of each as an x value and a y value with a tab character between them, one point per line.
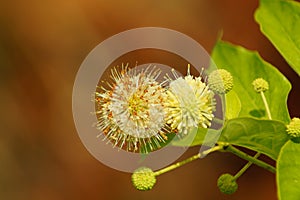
220	81
143	178
131	111
260	85
293	128
190	103
227	184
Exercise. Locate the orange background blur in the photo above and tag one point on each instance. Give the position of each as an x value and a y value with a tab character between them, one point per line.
42	44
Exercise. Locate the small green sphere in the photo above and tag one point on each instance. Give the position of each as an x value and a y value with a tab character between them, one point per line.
143	178
227	184
260	85
220	81
293	128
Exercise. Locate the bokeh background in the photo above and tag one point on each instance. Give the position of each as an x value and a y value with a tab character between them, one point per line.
42	44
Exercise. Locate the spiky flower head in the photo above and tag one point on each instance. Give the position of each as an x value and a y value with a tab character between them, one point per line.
260	85
220	81
293	128
131	112
190	103
143	178
227	184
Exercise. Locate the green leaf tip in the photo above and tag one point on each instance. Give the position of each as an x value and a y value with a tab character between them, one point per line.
280	22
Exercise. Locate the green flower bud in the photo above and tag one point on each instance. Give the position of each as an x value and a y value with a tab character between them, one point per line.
220	81
293	128
227	184
260	85
143	178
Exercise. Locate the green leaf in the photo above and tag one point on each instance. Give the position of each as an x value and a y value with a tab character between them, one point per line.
264	136
288	172
245	66
280	22
233	105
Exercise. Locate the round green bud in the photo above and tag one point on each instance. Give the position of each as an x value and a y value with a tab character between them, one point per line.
260	85
220	81
143	178
227	184
293	128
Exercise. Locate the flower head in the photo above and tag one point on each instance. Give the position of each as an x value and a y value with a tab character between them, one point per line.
190	103
293	128
227	184
220	81
143	178
260	85
131	112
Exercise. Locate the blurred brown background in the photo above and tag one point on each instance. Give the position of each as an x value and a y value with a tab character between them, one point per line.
42	44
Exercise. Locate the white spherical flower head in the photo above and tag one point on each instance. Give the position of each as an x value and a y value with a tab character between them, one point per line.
190	104
131	112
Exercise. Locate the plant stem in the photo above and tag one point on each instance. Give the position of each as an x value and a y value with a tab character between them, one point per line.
188	160
257	154
266	104
218	121
251	159
242	171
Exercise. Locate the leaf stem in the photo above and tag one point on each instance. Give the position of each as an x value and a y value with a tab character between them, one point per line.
243	170
251	159
188	160
266	104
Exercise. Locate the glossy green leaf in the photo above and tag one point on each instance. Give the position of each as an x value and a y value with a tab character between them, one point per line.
288	172
264	136
233	105
280	22
245	66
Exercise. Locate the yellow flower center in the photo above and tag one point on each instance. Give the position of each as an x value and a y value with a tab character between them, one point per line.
137	106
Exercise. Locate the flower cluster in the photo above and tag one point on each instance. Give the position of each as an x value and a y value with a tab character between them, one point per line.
137	112
220	81
227	184
260	85
293	128
190	103
143	179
